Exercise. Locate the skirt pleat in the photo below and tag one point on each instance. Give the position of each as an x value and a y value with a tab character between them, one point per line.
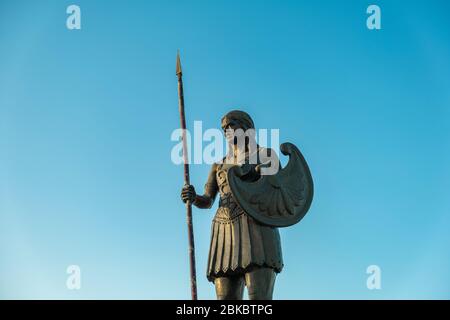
246	245
220	243
257	242
212	250
235	244
227	248
272	247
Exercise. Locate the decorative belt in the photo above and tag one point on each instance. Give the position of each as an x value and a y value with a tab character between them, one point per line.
228	209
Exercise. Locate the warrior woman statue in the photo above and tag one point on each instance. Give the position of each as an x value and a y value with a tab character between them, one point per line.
245	248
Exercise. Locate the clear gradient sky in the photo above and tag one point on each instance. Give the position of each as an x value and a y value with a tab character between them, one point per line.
86	117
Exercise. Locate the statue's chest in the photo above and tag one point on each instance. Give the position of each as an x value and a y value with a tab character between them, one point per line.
228	209
222	178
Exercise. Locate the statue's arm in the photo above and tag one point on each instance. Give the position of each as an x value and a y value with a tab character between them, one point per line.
268	163
206	200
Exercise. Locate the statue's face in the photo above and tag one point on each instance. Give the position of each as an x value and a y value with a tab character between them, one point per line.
230	130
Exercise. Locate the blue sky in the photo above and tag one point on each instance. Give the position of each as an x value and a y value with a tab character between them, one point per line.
86	117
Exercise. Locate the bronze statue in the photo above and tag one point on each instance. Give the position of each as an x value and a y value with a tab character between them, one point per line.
245	248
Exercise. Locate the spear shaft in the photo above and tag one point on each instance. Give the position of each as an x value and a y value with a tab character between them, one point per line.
187	181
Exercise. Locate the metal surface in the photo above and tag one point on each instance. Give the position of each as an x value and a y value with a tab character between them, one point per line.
179	74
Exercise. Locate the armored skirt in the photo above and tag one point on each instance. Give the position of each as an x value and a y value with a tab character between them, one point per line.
239	243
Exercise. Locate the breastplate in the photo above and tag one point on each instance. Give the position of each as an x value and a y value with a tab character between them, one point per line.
222	180
228	207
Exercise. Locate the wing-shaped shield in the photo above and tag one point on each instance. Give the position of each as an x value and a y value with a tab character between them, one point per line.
278	200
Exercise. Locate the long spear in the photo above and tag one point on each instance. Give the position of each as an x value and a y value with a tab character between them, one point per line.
186	181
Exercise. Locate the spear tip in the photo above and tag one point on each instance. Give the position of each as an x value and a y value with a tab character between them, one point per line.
178	72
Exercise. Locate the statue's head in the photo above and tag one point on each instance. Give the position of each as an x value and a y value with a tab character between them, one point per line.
235	120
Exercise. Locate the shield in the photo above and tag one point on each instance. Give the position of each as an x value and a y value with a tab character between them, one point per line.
278	200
